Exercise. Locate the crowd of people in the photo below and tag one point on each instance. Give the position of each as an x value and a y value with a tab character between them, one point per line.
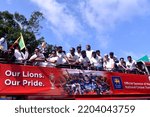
80	84
87	59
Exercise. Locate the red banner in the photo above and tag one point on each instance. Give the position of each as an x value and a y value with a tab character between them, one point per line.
20	79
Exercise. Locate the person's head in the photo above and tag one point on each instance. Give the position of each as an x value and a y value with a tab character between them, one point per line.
43	44
10	51
98	52
64	52
83	53
72	50
59	49
111	54
94	54
88	47
121	59
129	58
53	53
106	57
37	50
78	48
86	78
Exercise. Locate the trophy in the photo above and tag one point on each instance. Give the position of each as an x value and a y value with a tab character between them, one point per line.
52	80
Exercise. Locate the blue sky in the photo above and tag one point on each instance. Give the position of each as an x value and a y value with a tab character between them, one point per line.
121	26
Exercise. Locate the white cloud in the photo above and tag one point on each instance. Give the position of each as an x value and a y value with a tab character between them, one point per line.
104	14
59	16
96	15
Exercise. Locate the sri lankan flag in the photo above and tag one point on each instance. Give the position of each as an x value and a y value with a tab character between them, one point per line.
21	42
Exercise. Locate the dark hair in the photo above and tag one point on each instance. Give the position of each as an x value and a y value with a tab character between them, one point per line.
83	52
78	47
129	57
97	51
111	53
53	52
72	48
121	58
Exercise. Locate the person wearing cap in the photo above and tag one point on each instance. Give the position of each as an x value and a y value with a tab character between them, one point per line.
72	58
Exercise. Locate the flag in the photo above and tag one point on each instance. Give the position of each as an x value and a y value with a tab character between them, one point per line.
21	42
144	58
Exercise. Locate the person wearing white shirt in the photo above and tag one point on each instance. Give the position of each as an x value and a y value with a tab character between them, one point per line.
78	52
96	62
98	53
37	56
20	56
121	65
131	65
3	44
89	51
62	59
72	58
83	60
53	59
109	63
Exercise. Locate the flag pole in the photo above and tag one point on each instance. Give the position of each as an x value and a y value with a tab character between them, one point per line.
15	42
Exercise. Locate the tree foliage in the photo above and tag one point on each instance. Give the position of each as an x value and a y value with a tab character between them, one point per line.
11	25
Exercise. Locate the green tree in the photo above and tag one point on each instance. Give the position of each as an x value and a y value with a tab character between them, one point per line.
13	24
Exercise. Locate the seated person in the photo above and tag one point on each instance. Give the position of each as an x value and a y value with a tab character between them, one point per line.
96	62
131	65
20	56
37	56
109	64
72	58
78	53
98	53
83	60
121	65
140	68
89	51
9	55
53	59
62	59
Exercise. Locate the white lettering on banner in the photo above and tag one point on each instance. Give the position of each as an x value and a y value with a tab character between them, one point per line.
32	83
31	75
10	73
36	83
9	82
26	74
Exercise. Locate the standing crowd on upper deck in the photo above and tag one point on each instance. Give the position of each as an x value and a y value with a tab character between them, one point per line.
85	59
